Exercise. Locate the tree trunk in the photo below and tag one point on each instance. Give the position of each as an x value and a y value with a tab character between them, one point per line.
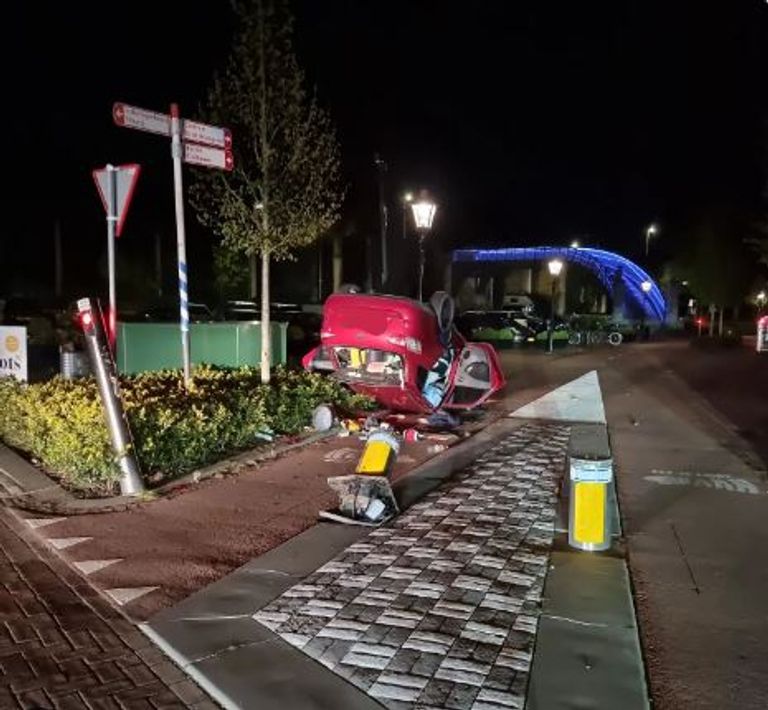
266	327
253	262
337	262
712	311
720	323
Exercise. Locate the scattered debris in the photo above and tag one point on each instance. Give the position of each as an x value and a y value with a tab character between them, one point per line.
322	418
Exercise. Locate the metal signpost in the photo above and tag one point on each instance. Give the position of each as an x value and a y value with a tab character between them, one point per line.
115	185
106	378
194	143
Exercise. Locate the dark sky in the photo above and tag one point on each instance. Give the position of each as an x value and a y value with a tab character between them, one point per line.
530	122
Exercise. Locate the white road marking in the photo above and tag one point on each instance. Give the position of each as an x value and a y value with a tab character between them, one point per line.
717	481
62	543
35	523
125	595
91	566
580	400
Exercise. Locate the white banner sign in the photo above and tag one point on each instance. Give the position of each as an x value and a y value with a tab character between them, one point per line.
13	352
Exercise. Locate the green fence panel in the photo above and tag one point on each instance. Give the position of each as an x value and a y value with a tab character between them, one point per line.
142	347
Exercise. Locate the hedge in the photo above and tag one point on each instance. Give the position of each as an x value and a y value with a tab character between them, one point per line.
60	422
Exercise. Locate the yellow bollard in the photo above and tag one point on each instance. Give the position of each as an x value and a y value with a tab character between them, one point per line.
588	524
379	454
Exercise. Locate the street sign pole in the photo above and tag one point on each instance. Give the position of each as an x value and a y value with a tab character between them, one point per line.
111	225
181	242
194	143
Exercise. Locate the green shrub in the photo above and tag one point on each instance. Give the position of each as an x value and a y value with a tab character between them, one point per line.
60	422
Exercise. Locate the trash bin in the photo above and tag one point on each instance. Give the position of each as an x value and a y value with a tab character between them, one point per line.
762	335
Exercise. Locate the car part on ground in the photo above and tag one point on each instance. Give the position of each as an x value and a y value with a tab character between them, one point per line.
395	350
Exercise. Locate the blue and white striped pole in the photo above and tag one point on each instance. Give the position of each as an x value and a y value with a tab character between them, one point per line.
181	242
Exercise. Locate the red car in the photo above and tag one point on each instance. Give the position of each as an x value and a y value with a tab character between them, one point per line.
405	354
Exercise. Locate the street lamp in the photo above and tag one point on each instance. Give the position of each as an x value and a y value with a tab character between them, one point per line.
645	287
407	200
761	299
575	244
555	266
651	231
423	214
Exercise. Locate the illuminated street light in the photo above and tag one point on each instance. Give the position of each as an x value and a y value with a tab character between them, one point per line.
575	244
646	286
651	231
406	201
761	299
423	214
555	266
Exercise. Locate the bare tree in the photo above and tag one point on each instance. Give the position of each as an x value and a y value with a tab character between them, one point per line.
284	192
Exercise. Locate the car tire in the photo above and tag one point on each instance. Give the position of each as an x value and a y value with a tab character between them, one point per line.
445	310
615	338
574	338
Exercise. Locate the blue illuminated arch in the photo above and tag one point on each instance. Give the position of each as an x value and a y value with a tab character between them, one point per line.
606	265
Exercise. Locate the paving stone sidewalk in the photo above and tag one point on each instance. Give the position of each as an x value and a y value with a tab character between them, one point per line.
62	645
440	609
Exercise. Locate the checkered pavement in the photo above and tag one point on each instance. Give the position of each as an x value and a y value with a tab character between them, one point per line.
440	608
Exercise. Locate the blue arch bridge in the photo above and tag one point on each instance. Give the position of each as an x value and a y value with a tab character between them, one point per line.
631	289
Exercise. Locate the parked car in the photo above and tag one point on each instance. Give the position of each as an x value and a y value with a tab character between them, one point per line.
198	313
403	353
502	328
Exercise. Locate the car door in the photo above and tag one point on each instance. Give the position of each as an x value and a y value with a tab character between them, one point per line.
476	376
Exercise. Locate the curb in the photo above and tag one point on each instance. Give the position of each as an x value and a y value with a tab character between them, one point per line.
588	649
31	490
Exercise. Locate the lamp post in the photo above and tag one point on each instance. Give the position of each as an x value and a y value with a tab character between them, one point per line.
645	287
555	266
651	231
761	299
423	214
407	200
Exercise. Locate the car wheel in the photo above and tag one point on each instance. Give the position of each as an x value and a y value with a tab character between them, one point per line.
615	338
445	309
349	288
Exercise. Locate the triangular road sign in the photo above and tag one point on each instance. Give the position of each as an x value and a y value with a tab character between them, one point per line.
125	178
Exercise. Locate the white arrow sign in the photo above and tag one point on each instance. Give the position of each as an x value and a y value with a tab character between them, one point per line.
208	157
125	177
141	119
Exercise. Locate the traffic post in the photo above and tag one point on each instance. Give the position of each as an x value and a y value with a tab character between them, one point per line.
103	366
115	185
591	480
194	143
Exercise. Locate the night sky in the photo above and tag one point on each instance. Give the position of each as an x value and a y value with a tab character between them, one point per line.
530	122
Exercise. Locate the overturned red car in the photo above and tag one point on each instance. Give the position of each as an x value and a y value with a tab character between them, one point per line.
405	354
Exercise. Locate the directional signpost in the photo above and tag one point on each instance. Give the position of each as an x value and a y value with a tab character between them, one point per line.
194	143
115	184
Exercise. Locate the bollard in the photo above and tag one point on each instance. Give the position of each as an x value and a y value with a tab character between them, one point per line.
590	475
379	454
103	365
762	335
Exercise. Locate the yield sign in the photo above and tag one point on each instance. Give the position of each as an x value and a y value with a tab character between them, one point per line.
125	183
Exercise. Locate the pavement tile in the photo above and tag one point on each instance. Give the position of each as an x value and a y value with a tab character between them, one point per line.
443	603
63	646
